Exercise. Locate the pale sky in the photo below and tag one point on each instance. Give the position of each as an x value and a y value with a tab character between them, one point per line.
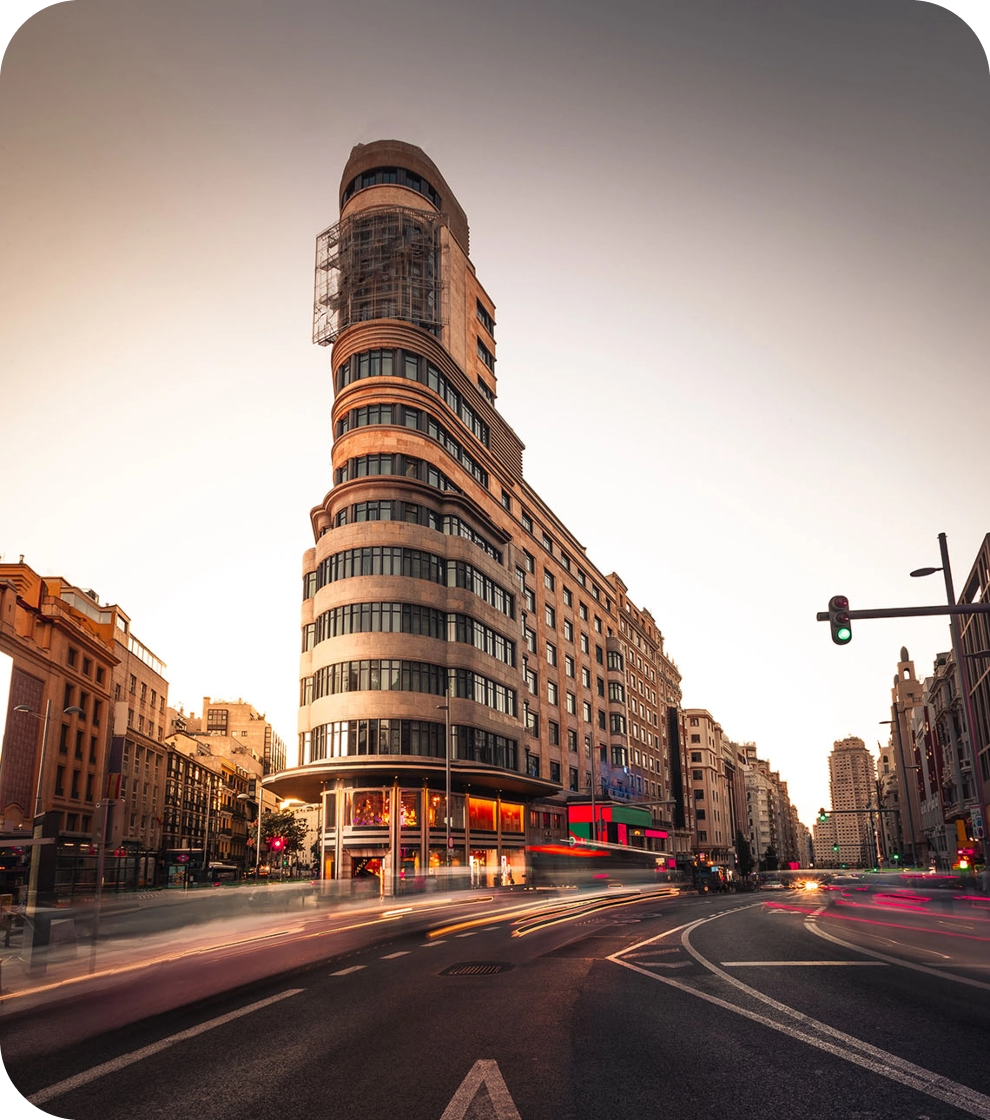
739	253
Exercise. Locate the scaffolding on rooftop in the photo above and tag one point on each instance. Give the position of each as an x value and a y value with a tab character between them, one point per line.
383	263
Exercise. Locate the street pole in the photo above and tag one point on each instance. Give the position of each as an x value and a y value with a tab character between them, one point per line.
44	754
594	813
446	751
967	709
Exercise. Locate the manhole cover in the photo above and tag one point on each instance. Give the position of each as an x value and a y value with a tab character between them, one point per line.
475	968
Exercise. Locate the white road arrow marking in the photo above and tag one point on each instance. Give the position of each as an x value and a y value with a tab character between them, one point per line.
483	1075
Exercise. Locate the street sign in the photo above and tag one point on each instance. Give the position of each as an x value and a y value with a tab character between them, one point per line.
450	841
976	816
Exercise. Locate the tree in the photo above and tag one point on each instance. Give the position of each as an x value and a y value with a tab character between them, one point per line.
744	853
286	825
770	858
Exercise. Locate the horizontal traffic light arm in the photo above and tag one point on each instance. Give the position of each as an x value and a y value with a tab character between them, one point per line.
910	612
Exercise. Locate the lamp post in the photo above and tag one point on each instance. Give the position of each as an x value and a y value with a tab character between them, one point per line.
257	846
41	929
967	712
27	710
446	752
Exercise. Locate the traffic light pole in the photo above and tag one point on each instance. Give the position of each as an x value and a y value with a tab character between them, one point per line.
912	612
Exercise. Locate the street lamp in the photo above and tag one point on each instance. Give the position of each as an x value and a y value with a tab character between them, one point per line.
27	710
967	712
257	847
445	708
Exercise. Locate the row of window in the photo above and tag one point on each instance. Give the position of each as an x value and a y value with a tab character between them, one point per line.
412	513
72	659
412	618
406	466
406	737
413	367
382	675
391	175
417	419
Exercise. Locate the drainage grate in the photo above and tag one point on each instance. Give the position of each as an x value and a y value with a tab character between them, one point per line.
475	968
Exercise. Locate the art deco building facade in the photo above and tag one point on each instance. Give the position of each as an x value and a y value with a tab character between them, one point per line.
443	600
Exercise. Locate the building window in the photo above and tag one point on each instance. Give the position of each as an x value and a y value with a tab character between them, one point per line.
551	653
486	355
485	318
527	523
73	656
507	500
568	630
547	542
530	562
552	693
572	776
696	739
548	581
586	711
555	772
571	704
568	598
554	736
551	616
572	740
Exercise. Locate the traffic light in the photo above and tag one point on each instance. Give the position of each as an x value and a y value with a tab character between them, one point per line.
835	847
822	816
838	617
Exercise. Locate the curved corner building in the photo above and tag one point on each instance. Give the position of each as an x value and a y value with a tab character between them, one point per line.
427	620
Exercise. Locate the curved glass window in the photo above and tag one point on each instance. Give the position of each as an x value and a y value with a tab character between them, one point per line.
386	618
386	175
368	466
461	574
413	367
412	618
418	420
378	675
381	560
373	736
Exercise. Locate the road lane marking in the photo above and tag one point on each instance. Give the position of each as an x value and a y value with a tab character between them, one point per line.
859	1053
392	956
124	1060
484	1074
792	964
348	971
812	925
470	934
835	1042
430	944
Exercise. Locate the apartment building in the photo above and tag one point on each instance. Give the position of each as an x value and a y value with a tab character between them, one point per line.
455	634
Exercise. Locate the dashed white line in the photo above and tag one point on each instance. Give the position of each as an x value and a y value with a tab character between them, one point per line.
470	933
392	956
348	971
112	1066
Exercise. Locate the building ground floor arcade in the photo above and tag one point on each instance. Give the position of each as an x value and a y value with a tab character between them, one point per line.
390	826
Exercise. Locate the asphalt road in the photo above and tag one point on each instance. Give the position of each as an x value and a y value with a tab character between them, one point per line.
686	1007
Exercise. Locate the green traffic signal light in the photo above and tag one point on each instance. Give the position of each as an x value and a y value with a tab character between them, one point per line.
822	816
838	617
